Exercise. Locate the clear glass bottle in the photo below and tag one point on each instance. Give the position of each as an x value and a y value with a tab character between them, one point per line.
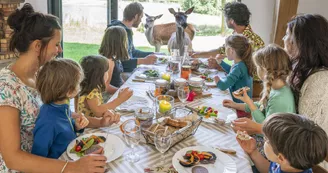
185	65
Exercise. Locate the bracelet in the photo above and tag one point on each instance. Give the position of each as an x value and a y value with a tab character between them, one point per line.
62	171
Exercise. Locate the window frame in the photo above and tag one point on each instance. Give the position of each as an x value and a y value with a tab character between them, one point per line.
55	7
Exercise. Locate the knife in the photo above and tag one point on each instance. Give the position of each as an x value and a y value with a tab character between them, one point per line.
142	80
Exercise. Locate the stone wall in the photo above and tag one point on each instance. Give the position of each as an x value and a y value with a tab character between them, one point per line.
6	8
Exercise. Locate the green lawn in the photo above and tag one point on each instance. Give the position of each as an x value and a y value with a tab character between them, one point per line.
77	50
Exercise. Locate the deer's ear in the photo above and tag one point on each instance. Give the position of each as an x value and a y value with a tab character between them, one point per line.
146	15
189	11
159	16
172	11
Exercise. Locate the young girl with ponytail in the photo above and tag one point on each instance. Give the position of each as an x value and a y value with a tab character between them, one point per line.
240	73
273	67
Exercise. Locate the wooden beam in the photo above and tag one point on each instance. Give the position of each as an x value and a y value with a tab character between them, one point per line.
286	9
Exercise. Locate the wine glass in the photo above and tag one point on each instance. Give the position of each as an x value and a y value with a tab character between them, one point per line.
132	135
162	142
183	93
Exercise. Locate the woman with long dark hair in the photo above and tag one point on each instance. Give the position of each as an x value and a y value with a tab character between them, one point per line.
306	42
36	40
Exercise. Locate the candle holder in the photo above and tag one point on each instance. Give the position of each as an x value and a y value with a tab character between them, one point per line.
163	105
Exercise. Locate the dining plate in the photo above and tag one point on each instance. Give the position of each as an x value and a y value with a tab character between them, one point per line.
113	147
223	113
146	74
133	103
223	163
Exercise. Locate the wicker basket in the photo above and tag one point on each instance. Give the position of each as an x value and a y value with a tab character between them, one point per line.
180	134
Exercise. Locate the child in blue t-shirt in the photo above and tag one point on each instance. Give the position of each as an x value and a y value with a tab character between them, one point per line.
293	144
55	127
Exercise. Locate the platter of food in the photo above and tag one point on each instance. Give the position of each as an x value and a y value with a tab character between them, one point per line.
203	158
149	74
96	143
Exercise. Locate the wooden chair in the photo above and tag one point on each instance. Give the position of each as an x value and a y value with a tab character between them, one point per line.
76	102
319	169
257	89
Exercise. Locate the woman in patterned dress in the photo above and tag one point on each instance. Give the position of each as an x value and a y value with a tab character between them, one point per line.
36	38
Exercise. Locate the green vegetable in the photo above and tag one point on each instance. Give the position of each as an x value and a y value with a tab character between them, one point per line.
151	73
88	145
80	154
213	114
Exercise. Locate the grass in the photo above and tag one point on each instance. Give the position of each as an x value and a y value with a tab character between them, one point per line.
76	51
207	30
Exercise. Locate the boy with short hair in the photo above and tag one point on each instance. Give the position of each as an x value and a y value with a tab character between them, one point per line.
293	144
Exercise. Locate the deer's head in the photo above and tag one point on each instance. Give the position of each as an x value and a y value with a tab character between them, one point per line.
150	20
181	17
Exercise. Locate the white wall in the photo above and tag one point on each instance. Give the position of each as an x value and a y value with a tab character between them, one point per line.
314	7
38	5
262	17
263	10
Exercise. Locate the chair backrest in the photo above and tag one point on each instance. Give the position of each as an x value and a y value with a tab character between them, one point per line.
76	102
319	169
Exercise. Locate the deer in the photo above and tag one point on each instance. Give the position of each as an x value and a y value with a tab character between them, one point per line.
158	35
180	39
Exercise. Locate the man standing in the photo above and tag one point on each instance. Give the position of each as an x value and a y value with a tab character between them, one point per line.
132	16
237	18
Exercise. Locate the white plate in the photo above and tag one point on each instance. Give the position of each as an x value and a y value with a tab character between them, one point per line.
223	163
143	76
133	103
223	113
160	59
210	84
114	146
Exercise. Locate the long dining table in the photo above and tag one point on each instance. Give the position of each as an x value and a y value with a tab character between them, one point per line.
207	134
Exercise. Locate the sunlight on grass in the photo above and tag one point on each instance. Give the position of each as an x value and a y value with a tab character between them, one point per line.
76	51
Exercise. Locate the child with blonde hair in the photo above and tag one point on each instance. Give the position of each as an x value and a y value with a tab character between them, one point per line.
273	68
114	47
90	102
56	126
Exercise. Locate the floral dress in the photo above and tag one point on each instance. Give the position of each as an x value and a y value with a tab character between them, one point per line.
82	108
14	93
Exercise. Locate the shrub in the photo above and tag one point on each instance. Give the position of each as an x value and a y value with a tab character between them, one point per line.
201	6
207	30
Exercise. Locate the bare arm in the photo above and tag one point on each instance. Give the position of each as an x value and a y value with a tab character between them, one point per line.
17	159
239	106
99	109
206	54
109	88
10	147
260	162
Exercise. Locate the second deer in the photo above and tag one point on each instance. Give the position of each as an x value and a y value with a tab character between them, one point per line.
158	35
180	39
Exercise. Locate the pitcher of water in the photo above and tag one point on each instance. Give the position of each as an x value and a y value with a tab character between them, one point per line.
174	62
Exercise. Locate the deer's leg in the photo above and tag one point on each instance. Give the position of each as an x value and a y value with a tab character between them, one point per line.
157	47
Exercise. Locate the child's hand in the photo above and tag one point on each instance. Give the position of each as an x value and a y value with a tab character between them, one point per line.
249	146
228	103
243	97
124	94
219	58
248	125
216	79
110	117
80	120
